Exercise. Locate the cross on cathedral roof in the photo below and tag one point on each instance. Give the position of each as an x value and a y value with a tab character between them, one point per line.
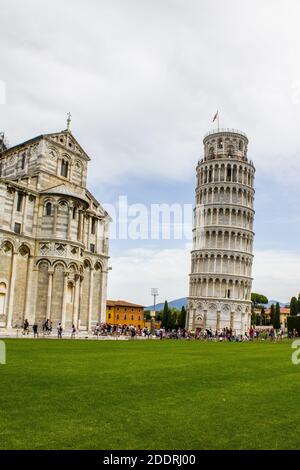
69	121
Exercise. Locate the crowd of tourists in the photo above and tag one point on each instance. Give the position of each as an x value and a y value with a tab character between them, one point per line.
131	331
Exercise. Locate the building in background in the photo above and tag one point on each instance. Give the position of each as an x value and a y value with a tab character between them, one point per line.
53	236
120	312
220	279
285	312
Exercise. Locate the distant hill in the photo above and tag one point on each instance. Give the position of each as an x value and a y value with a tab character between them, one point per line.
281	304
178	303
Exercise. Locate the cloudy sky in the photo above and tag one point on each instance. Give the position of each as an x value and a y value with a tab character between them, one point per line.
143	80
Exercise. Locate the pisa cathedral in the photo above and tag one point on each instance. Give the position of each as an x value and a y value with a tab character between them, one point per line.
222	254
53	236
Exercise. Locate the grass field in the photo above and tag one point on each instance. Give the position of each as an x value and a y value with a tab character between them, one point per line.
148	395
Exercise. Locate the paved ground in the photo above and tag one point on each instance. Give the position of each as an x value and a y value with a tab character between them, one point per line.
82	335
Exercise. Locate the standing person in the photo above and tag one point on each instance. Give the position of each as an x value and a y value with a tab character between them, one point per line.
59	331
73	332
26	327
35	330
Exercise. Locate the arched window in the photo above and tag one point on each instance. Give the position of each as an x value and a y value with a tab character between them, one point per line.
74	212
64	168
48	209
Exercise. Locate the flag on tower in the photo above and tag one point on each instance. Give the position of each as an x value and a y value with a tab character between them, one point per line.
216	116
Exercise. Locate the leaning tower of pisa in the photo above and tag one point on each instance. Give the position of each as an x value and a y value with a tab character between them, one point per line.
220	279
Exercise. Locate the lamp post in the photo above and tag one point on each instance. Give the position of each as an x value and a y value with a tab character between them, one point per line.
154	293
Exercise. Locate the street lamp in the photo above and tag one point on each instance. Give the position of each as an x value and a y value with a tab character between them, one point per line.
154	293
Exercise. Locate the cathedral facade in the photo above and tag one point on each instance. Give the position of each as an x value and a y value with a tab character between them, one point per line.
54	236
222	255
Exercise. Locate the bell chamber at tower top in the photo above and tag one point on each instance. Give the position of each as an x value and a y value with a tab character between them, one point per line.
225	143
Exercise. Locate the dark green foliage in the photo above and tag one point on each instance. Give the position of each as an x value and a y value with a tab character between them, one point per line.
276	317
294	306
258	299
293	323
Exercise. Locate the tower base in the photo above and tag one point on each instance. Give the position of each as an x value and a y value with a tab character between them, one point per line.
215	315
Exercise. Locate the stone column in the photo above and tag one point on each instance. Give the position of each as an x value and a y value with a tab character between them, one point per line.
104	275
80	301
79	230
83	229
70	216
24	214
28	287
11	291
13	213
64	304
49	295
91	299
76	300
88	233
55	208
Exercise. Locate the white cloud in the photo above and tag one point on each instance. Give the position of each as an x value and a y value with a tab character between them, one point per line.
143	79
138	270
276	274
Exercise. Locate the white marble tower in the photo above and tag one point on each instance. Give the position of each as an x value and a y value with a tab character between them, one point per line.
221	269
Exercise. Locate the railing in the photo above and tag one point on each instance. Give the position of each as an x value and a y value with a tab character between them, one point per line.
225	157
225	130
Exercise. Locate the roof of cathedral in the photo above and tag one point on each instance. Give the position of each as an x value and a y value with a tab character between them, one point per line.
50	137
65	191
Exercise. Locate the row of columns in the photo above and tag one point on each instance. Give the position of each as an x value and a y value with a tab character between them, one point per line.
78	286
218	196
238	289
225	174
83	228
240	322
230	217
232	241
239	266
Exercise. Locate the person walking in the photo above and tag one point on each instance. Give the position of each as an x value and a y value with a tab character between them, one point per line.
73	335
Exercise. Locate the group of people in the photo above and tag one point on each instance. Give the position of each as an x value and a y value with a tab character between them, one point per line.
106	329
47	329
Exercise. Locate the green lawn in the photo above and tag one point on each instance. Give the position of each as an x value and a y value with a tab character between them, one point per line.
148	395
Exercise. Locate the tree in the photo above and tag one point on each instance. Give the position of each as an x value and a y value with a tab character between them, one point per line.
147	315
276	322
263	316
165	323
258	299
182	318
272	314
294	306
